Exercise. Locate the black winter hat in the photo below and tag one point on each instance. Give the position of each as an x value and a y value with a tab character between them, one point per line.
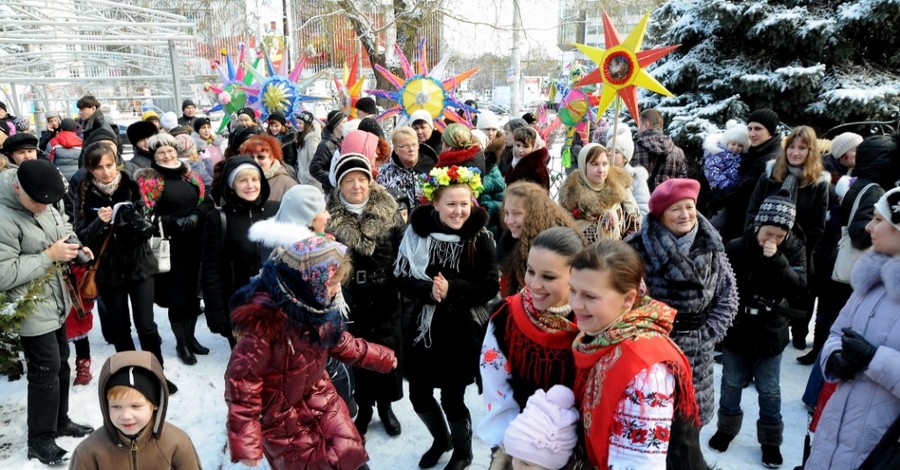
2	105
139	379
186	103
104	133
241	135
19	141
141	130
68	124
371	126
41	181
529	118
366	105
277	116
305	116
200	122
766	117
334	118
778	210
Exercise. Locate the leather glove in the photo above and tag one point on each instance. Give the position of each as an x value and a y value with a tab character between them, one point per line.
838	366
187	224
857	349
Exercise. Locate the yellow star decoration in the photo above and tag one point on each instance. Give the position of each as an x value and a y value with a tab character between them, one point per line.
621	67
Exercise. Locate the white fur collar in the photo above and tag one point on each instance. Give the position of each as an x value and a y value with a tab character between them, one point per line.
272	233
874	268
637	172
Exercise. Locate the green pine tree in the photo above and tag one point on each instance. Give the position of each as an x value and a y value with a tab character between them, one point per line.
12	313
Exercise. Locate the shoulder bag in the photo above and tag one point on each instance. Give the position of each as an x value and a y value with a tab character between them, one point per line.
847	254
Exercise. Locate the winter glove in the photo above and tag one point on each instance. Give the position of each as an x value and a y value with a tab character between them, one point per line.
838	366
857	350
187	224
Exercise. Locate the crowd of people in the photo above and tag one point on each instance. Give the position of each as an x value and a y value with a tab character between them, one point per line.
338	261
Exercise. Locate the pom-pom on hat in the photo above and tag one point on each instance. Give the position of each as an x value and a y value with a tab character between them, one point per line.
366	105
138	378
736	133
889	207
421	115
544	434
778	210
488	120
69	124
41	181
168	121
844	143
766	117
671	191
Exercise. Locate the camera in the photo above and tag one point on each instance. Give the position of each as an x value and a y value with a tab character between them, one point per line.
81	258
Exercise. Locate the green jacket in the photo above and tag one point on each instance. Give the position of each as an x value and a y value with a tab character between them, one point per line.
23	238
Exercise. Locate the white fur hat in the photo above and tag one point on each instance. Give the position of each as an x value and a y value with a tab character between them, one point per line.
736	132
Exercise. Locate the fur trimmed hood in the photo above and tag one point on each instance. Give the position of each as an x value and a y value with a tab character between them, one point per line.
825	177
361	233
273	233
874	268
576	193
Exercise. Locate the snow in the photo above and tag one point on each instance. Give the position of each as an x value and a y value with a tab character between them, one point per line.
199	409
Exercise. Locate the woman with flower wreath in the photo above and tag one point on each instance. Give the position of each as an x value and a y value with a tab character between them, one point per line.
528	344
598	195
176	198
446	267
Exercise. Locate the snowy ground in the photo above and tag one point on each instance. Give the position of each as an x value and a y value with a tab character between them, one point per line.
199	409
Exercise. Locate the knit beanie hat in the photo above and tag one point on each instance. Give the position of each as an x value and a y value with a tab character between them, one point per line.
671	191
188	145
300	205
544	434
309	263
738	133
186	103
168	120
778	210
371	126
624	143
69	124
200	122
844	143
766	117
149	114
366	105
351	162
305	116
361	143
458	136
277	116
238	136
488	120
889	207
516	123
335	117
138	378
421	115
248	111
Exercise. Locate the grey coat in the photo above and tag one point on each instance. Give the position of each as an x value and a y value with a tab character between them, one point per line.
862	409
23	238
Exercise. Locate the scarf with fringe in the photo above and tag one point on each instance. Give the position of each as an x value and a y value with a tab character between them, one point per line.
539	343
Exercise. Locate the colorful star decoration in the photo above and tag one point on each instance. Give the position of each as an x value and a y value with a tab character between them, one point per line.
349	89
280	91
621	67
424	89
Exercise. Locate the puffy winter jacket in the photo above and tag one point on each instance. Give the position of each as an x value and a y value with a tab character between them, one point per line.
64	151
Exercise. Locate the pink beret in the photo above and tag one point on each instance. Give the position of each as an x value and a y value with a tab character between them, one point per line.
672	191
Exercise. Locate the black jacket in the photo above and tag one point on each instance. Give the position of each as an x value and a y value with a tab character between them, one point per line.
230	259
871	167
321	162
763	284
289	145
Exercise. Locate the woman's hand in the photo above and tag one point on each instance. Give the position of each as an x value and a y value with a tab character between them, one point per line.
439	288
105	214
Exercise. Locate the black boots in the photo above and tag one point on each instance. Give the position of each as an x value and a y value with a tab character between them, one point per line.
770	437
72	430
192	343
728	426
461	431
363	418
388	419
48	453
184	353
437	426
719	441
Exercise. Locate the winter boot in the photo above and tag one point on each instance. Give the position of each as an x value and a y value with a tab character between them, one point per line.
181	346
48	453
770	437
192	342
363	418
389	419
728	428
437	426
462	444
71	429
809	358
82	372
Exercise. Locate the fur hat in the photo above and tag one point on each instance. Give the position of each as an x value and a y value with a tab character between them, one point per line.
350	162
162	139
140	130
778	210
168	121
766	117
889	207
69	124
366	105
138	378
186	103
488	120
671	191
41	181
335	117
545	433
421	115
238	136
844	143
277	116
736	133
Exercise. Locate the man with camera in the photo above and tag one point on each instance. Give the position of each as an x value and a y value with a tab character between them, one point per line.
35	238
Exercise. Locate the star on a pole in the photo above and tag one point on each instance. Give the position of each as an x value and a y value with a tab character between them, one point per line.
621	66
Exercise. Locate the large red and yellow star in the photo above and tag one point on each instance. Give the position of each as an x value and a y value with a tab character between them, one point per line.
621	67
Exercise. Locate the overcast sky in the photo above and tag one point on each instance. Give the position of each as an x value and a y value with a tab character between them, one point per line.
539	20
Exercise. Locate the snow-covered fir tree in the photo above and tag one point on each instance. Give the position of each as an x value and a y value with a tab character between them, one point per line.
820	63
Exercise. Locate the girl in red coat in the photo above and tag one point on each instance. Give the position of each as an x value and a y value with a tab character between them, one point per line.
281	402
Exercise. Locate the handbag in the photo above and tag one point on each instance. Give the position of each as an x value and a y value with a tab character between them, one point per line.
886	454
161	251
847	254
88	286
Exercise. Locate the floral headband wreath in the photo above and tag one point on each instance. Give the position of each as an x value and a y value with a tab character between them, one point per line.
446	176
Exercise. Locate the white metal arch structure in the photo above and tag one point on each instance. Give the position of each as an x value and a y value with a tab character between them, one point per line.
64	45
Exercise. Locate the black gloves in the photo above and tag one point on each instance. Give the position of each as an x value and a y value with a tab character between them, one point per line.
187	224
855	356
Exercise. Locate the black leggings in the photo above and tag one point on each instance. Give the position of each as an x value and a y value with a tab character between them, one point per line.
118	319
421	395
82	348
